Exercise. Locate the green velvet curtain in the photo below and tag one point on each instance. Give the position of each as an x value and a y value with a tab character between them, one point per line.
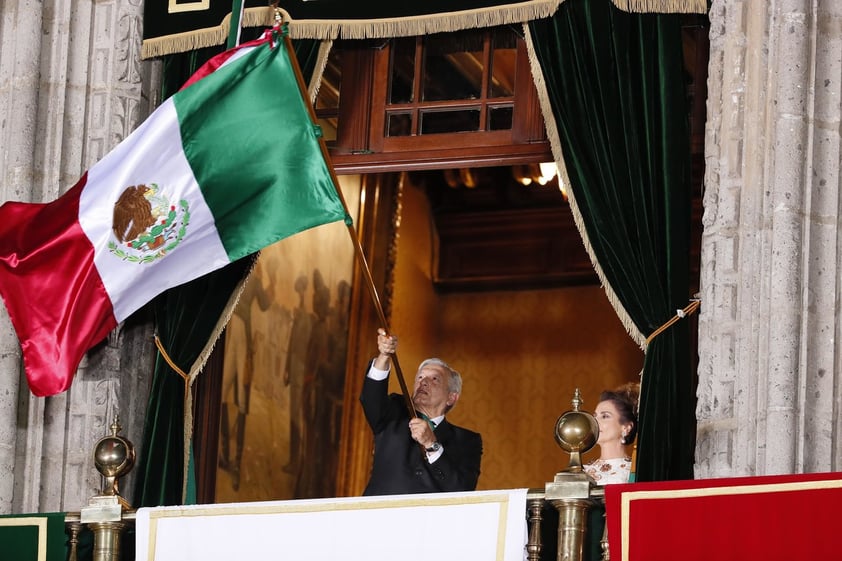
616	87
185	318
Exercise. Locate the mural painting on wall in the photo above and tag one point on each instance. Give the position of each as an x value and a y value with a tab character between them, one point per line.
284	371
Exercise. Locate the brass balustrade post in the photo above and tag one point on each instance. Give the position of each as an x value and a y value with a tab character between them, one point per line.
107	540
74	526
534	505
107	513
576	432
569	493
572	517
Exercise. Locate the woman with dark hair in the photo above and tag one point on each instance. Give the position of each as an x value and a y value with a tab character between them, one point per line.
616	415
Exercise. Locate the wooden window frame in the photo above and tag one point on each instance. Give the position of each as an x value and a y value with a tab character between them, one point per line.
362	147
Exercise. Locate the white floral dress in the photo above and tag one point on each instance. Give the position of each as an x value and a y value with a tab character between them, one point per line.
605	472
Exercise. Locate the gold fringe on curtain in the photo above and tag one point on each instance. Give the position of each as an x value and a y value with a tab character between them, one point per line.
207	37
425	24
395	27
318	72
354	29
555	144
197	367
663	6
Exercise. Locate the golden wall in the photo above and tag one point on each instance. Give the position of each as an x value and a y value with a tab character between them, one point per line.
521	353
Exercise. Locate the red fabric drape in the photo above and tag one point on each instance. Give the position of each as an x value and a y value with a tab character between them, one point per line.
770	517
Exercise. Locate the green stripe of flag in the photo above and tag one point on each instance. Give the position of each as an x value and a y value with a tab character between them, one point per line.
255	153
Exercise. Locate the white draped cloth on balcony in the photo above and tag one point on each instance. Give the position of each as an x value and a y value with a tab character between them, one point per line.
470	526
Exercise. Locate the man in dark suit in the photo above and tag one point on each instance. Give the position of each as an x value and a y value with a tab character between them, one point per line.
423	454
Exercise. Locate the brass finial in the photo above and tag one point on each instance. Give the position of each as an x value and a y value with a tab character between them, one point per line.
577	399
116	427
576	432
114	457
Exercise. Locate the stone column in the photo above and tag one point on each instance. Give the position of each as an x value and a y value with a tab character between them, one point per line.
768	341
71	87
20	44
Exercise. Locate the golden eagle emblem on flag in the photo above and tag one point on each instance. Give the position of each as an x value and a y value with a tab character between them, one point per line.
146	225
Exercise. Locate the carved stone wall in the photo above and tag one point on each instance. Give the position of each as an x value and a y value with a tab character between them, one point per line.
71	87
769	372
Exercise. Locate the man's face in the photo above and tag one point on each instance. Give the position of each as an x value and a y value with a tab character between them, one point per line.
431	394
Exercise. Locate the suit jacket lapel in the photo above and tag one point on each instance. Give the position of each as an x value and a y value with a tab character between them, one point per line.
444	431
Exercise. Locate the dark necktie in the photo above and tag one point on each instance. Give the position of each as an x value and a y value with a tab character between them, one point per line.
426	418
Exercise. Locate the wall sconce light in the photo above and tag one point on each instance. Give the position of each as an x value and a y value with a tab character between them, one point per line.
548	171
540	174
464	177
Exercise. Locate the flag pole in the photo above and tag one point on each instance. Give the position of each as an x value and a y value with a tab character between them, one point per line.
234	28
235	23
358	250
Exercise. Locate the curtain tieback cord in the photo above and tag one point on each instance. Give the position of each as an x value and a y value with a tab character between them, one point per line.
691	308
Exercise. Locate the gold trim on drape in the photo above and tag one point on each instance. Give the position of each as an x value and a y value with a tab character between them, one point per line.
558	156
394	27
201	38
196	369
319	70
663	6
425	24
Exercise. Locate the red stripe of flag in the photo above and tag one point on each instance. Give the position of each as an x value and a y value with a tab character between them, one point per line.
48	259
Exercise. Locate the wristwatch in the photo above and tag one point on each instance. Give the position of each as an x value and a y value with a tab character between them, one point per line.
434	448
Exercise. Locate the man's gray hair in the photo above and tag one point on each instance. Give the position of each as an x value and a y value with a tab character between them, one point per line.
455	379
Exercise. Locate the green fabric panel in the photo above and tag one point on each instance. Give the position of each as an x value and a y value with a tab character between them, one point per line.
185	317
251	113
21	537
616	87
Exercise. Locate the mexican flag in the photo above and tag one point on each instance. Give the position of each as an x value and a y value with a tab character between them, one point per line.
228	165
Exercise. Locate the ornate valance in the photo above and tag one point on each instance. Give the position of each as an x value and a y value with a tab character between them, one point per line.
173	26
